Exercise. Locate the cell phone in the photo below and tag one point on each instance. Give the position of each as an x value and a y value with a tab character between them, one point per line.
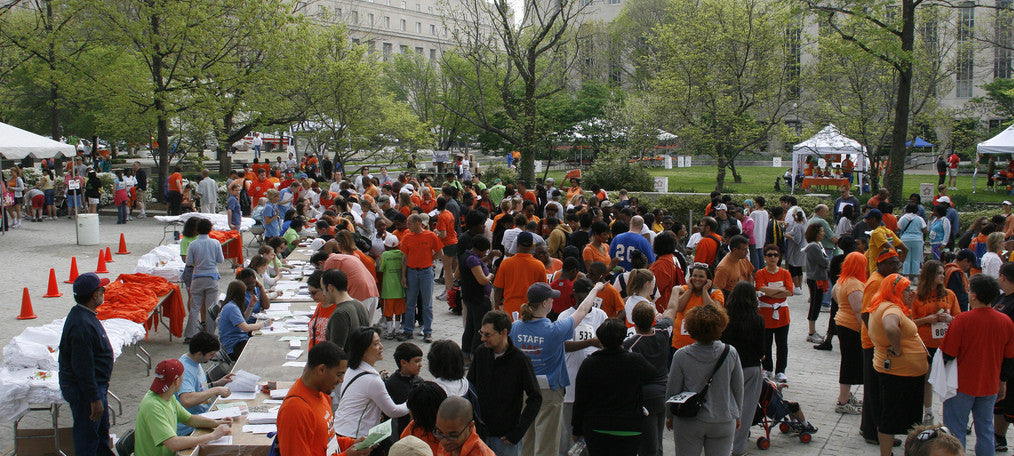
887	364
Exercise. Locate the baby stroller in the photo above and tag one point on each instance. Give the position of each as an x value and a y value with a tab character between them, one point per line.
773	408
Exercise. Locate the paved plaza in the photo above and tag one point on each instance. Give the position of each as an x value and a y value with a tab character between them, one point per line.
30	251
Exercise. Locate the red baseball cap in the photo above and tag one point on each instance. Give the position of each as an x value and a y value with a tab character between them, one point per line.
166	374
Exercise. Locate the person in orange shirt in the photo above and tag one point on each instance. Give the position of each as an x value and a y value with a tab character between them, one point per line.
933	309
175	196
848	292
259	186
887	263
427	203
527	194
575	189
553	265
776	285
608	299
456	430
423	401
707	247
598	248
305	421
515	275
421	247
449	238
697	292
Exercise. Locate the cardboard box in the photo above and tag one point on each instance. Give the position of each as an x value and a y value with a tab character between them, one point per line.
44	445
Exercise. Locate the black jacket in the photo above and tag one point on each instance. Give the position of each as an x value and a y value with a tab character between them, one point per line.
86	358
502	385
608	391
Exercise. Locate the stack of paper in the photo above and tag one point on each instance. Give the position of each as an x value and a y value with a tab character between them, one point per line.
259	428
294	344
279	393
262	418
243	385
294	354
231	412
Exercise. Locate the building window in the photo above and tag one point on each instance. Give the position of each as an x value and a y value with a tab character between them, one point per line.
418	27
433	30
419	51
404	25
387	51
403	48
371	19
433	54
966	53
387	21
429	9
418	7
403	5
614	2
1002	54
586	2
794	65
355	17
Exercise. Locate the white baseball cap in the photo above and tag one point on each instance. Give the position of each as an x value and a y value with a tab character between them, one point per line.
391	241
944	199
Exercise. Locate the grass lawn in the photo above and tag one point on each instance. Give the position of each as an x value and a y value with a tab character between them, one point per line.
760	179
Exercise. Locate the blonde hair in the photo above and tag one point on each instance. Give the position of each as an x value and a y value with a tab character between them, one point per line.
271	193
528	311
637	280
994	242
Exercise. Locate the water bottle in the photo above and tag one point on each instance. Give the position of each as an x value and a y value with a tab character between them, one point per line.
577	448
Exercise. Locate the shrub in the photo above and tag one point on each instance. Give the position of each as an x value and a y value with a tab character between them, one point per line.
680	206
614	172
499	171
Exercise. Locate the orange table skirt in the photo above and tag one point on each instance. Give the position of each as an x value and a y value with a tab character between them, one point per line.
136	297
233	251
824	182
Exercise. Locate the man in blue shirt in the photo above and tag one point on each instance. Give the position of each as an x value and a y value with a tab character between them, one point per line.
235	210
623	245
195	394
86	363
203	254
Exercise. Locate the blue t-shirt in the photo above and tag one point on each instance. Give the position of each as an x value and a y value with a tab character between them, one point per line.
274	228
194	381
235	211
937	231
542	340
246	303
623	246
229	333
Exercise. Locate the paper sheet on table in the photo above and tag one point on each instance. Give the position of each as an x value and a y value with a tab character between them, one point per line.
223	440
243	408
293	355
300	320
243	395
259	428
279	305
279	393
290	338
294	364
262	418
294	344
377	434
231	412
278	314
273	401
243	381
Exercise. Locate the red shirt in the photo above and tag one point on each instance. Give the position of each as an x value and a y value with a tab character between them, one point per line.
667	275
317	327
764	278
980	339
419	248
305	424
176	183
952	161
566	299
445	223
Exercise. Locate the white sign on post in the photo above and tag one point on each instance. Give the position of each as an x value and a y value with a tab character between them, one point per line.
662	184
687	161
926	192
668	161
538	166
776	162
74	184
821	163
680	162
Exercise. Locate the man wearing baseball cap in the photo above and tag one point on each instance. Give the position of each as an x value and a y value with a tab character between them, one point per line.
881	239
86	363
160	412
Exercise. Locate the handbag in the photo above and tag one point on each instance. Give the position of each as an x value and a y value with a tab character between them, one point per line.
688	403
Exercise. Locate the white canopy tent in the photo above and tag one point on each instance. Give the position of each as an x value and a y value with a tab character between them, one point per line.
16	144
829	141
1001	144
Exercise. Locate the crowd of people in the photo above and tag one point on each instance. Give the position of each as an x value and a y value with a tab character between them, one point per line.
584	314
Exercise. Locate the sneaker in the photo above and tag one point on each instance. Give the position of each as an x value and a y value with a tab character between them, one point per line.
781	378
825	309
815	338
439	280
767	374
1001	443
808	428
403	336
927	419
798	291
442	297
428	338
847	409
389	335
854	401
825	346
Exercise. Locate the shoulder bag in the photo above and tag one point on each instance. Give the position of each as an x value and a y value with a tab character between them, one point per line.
688	403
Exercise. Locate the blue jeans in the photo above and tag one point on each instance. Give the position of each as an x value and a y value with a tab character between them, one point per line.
420	289
956	419
257	151
756	257
826	301
503	449
121	213
89	437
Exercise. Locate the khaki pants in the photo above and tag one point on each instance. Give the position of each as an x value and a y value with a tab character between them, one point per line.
543	438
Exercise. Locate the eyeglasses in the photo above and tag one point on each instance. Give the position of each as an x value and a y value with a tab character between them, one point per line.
457	435
486	335
931	434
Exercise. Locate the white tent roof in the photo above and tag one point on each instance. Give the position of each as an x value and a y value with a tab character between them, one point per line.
828	141
16	144
1002	143
666	136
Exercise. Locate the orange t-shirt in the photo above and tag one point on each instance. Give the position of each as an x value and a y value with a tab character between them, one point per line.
419	248
445	223
515	275
529	195
368	262
891	222
176	182
680	337
317	327
913	361
707	247
610	301
869	290
592	254
781	278
845	316
667	275
920	309
575	190
427	437
731	271
257	189
555	265
428	205
405	210
305	424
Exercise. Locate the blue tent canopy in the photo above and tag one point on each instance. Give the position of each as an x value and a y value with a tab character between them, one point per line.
918	142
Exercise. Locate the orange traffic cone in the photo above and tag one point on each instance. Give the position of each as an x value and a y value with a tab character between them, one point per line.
54	290
26	307
123	246
73	270
109	255
101	268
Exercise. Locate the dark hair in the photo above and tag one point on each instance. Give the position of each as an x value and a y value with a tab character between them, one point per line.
246	273
326	353
599	227
965	254
738	241
480	243
986	288
760	201
812	232
770	247
665	243
257	261
357	344
336	278
474	218
711	223
275	242
638	260
619	227
190	227
611	333
498	319
912	208
848	211
203	226
940	210
423	402
204	342
1007	270
927	278
446	360
314	279
319	256
742	301
643	316
236	292
405	352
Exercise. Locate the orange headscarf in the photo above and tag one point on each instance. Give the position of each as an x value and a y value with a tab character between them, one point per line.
890	291
854	266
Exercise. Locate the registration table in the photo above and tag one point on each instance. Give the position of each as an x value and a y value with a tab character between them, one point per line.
828	182
265	356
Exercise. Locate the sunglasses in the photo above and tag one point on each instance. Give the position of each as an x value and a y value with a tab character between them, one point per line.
772	255
931	434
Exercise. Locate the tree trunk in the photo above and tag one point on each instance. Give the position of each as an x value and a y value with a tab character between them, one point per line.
736	177
895	174
54	88
162	135
720	178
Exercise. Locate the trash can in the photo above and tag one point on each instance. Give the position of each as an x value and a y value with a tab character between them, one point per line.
87	229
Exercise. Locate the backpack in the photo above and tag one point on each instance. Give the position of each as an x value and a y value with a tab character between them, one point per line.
720	252
362	243
980	250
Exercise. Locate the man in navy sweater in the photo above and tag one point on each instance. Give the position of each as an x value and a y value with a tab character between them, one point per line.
86	363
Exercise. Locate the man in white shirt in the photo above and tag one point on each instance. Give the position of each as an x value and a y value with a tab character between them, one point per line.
760	218
208	189
580	347
364	173
257	143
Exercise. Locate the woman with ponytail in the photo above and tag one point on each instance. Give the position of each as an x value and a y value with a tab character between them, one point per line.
899	358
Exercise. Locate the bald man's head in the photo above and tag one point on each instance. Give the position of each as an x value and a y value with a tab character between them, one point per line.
636	223
455	408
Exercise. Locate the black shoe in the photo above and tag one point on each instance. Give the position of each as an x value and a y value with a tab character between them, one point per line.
439	280
428	338
825	346
897	442
1001	443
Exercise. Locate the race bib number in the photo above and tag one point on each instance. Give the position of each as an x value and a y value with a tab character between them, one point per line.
683	328
939	329
583	332
776	284
597	303
332	447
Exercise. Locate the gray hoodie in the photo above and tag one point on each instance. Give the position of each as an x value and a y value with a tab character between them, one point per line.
691	366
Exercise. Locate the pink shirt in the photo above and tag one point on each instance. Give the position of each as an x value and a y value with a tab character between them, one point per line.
361	283
747	223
